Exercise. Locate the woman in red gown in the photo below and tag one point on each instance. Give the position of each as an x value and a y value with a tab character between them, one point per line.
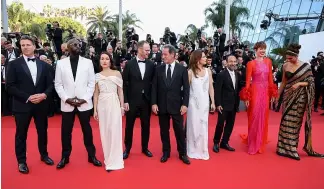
257	93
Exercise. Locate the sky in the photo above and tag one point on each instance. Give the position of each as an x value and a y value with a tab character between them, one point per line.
154	14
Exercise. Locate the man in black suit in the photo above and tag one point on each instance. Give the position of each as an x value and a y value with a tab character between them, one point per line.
227	102
168	100
29	81
155	55
137	78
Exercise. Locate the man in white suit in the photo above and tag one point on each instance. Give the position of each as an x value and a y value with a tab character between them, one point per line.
75	84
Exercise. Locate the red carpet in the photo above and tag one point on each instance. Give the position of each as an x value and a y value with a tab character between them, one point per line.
223	170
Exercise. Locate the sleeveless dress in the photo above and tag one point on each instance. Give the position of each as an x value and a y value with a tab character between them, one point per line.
197	118
110	121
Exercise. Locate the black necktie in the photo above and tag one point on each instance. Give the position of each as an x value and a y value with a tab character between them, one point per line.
31	59
169	75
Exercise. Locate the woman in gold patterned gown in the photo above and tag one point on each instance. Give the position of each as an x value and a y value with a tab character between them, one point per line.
298	90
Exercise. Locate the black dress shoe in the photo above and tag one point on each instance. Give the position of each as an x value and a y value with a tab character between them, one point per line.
184	159
94	161
109	171
147	153
216	148
165	158
315	110
125	154
62	163
227	147
23	168
47	160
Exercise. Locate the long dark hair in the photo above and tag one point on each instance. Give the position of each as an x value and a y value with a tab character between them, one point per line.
112	63
194	58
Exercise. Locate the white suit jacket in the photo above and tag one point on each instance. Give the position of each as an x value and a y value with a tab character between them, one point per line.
82	87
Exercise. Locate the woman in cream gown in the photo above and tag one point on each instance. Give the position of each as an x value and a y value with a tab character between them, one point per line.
108	100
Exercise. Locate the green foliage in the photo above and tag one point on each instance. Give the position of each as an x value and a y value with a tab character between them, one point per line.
21	20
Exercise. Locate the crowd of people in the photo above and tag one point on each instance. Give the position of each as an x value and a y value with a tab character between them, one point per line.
167	80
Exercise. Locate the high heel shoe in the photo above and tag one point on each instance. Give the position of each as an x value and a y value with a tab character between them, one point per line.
288	156
313	154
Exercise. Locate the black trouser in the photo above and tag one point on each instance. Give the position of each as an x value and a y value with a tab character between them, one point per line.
144	110
319	91
22	124
227	117
177	120
66	132
5	101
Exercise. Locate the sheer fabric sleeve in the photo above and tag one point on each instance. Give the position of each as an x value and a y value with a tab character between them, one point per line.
245	93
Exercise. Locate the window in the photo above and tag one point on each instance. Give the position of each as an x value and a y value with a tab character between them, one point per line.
316	8
252	9
279	2
258	6
311	25
264	5
262	36
285	9
271	5
304	8
294	7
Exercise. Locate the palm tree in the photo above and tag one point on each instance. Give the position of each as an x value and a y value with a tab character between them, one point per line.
83	12
215	14
128	19
18	16
48	10
99	20
286	34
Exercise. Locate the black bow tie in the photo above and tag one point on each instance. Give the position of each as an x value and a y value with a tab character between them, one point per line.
31	59
141	61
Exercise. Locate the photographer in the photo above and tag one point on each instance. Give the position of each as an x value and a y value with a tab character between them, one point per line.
219	41
169	37
100	44
202	42
10	52
155	55
57	38
132	39
119	53
149	40
318	70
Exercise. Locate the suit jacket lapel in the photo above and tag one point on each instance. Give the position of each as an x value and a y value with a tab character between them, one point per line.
67	65
137	69
26	69
230	78
236	81
39	70
175	73
164	75
147	67
77	74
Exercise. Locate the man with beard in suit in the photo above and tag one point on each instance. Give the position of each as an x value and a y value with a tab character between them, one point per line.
227	102
30	82
169	101
75	84
137	78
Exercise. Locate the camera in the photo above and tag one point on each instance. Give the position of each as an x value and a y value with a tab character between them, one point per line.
199	34
91	38
109	35
49	30
216	38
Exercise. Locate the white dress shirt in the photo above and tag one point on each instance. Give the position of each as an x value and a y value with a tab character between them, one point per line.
167	67
141	66
232	74
32	68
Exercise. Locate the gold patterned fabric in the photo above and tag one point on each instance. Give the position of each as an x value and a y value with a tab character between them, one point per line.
295	103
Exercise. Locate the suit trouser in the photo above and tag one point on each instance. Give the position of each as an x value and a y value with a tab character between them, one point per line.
66	132
144	110
177	122
227	117
22	124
